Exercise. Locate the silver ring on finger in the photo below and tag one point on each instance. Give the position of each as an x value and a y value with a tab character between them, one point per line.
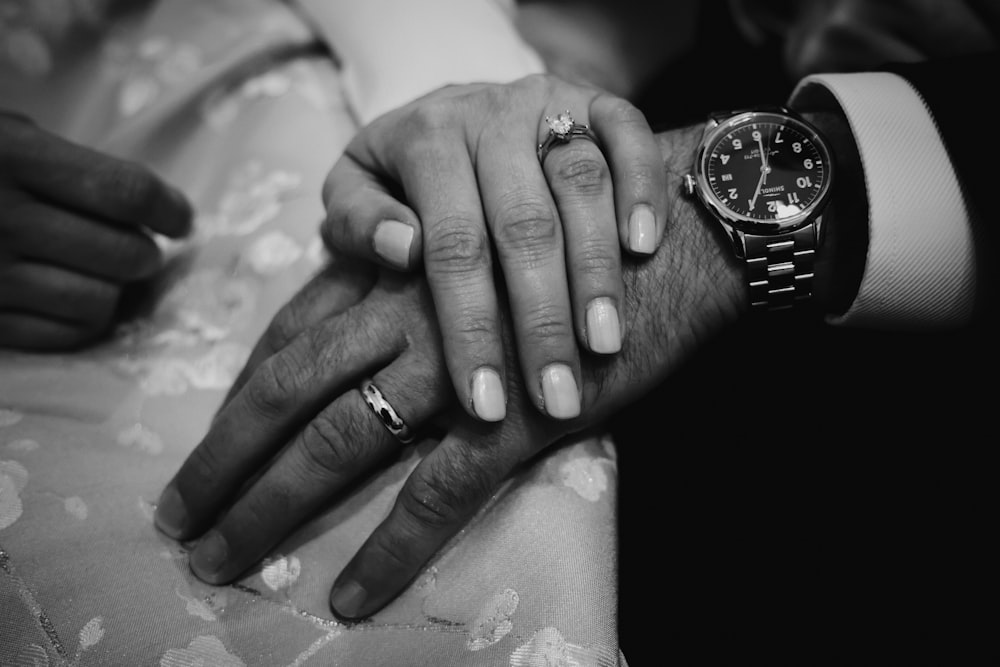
562	130
384	411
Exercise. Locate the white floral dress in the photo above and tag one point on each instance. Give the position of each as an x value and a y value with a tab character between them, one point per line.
88	440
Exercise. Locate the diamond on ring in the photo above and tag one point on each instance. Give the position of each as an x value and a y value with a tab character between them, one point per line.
563	129
561	124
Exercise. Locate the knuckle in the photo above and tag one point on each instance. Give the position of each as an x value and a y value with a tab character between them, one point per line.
476	327
454	243
329	446
271	390
203	467
525	223
285	326
447	495
581	170
545	324
429	117
595	257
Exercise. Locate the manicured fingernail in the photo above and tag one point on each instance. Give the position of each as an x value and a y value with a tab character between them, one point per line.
171	514
642	230
392	242
562	398
487	395
210	555
348	599
603	329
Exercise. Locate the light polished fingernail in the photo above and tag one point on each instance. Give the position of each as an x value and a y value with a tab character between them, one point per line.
392	242
210	555
171	514
487	395
642	230
603	328
348	599
562	398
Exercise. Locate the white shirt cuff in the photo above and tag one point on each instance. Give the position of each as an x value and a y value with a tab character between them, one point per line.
921	265
393	51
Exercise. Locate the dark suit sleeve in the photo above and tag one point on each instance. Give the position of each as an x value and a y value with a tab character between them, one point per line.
825	494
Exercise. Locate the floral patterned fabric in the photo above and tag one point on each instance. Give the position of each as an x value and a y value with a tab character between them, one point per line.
233	102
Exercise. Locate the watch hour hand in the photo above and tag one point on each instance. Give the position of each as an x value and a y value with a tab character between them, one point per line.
756	192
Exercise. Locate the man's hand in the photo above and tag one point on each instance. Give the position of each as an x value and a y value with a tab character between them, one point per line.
75	229
295	434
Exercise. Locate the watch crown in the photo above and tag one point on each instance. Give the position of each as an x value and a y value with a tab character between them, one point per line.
689	185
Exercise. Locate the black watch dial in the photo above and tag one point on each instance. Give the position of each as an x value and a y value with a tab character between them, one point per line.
765	167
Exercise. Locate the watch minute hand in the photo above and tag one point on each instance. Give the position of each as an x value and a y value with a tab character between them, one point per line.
756	193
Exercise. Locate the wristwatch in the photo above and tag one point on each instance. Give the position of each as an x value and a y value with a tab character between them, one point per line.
765	174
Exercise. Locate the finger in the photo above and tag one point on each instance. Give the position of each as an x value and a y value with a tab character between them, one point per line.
53	292
364	220
340	285
35	333
285	392
529	241
580	181
640	181
92	182
343	443
440	183
64	238
437	500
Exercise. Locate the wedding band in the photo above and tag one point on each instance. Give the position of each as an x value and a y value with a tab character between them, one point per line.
562	130
385	412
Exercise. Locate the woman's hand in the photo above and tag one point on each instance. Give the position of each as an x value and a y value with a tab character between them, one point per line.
74	230
553	227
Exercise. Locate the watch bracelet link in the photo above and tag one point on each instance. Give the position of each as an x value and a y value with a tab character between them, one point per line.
780	268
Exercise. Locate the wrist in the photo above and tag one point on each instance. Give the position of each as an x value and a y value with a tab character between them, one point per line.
693	287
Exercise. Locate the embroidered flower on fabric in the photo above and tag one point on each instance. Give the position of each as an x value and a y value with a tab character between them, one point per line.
207	607
202	651
272	253
172	376
224	106
493	622
253	196
75	506
548	648
281	572
159	65
13	478
23	445
140	438
200	309
585	475
9	417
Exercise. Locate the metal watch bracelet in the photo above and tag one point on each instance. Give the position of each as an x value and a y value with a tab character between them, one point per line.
780	268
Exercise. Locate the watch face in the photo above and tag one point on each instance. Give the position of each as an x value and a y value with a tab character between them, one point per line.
764	171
